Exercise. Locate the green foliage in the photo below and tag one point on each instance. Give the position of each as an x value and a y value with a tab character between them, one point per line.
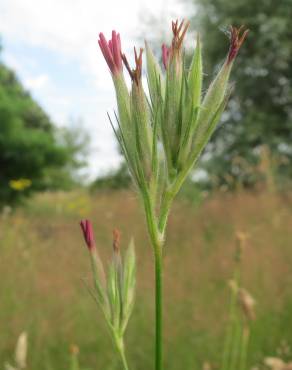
34	155
114	180
259	112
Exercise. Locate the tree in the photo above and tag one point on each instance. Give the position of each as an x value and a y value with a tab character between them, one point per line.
33	154
260	113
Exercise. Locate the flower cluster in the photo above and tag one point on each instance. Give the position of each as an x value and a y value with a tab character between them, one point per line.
162	136
113	292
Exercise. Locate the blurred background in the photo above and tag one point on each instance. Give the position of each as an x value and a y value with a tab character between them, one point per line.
59	162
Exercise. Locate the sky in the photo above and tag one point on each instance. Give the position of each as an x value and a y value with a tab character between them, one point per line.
52	46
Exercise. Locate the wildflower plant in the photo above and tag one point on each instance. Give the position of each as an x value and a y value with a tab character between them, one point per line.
114	292
163	133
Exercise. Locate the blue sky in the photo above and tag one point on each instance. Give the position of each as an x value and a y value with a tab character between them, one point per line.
52	45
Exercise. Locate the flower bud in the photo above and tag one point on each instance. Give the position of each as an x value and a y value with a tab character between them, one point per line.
172	122
218	90
97	265
140	119
87	230
111	51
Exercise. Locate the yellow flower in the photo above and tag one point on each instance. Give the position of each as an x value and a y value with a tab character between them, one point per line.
20	184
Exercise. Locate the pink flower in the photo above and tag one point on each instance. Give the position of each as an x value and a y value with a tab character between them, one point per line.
87	230
165	55
111	51
235	42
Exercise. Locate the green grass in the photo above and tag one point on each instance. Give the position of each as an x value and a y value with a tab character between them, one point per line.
43	261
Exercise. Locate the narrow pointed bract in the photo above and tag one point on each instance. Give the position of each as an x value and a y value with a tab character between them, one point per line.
155	78
195	77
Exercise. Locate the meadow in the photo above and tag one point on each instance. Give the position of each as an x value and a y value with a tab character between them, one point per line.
44	267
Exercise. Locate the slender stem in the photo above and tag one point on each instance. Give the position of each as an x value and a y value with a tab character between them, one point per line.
121	350
244	348
227	352
167	200
124	360
74	362
157	240
236	342
158	310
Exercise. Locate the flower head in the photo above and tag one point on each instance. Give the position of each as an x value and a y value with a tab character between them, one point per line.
87	230
236	41
111	51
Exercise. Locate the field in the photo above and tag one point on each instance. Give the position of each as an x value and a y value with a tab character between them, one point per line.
43	265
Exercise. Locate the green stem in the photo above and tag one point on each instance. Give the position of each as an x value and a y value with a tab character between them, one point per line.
236	342
74	362
158	309
124	360
121	350
227	352
157	240
244	347
167	200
